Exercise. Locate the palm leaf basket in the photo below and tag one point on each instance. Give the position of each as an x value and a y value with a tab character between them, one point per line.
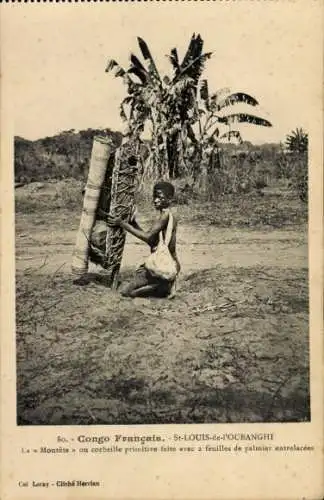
94	191
123	188
110	188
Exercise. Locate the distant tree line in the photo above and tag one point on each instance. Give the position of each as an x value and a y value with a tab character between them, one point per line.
242	167
64	155
68	153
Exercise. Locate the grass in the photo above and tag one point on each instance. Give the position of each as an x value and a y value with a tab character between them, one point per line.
273	210
249	211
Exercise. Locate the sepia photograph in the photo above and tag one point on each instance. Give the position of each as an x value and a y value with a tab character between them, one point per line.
161	214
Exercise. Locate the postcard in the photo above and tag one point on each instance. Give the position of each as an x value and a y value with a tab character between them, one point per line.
162	250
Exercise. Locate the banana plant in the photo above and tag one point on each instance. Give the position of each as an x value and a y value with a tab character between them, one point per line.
167	104
179	109
212	111
215	122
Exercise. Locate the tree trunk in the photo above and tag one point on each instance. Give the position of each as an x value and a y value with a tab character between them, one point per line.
173	155
160	168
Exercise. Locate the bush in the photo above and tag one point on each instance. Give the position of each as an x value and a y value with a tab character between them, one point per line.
298	167
235	175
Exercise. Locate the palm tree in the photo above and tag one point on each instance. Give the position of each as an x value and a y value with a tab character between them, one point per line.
297	141
297	148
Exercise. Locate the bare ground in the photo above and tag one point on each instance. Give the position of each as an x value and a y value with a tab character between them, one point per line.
231	347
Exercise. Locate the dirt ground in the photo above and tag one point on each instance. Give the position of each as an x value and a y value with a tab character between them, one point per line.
231	347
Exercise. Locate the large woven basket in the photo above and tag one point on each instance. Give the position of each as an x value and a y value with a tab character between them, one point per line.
123	188
94	192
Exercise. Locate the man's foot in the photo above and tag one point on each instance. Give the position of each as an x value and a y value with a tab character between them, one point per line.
173	291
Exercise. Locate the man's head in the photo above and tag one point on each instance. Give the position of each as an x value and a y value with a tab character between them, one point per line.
163	194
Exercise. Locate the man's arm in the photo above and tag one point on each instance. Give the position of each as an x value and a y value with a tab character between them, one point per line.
133	221
135	224
146	236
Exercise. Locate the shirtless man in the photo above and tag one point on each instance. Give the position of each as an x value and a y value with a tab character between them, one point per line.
144	283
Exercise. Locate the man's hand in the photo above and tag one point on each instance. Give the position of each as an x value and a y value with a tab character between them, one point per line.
114	221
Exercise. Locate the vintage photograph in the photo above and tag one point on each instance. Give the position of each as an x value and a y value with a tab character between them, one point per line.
161	214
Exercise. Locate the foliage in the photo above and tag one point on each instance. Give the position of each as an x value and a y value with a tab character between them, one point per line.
297	159
212	113
183	117
64	155
215	127
299	177
240	165
166	103
297	141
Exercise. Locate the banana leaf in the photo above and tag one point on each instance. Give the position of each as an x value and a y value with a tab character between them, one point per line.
244	118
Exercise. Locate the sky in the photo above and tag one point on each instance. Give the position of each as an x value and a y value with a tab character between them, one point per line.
53	59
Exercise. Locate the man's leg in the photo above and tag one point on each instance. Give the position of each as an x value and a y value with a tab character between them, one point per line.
143	291
145	285
140	287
